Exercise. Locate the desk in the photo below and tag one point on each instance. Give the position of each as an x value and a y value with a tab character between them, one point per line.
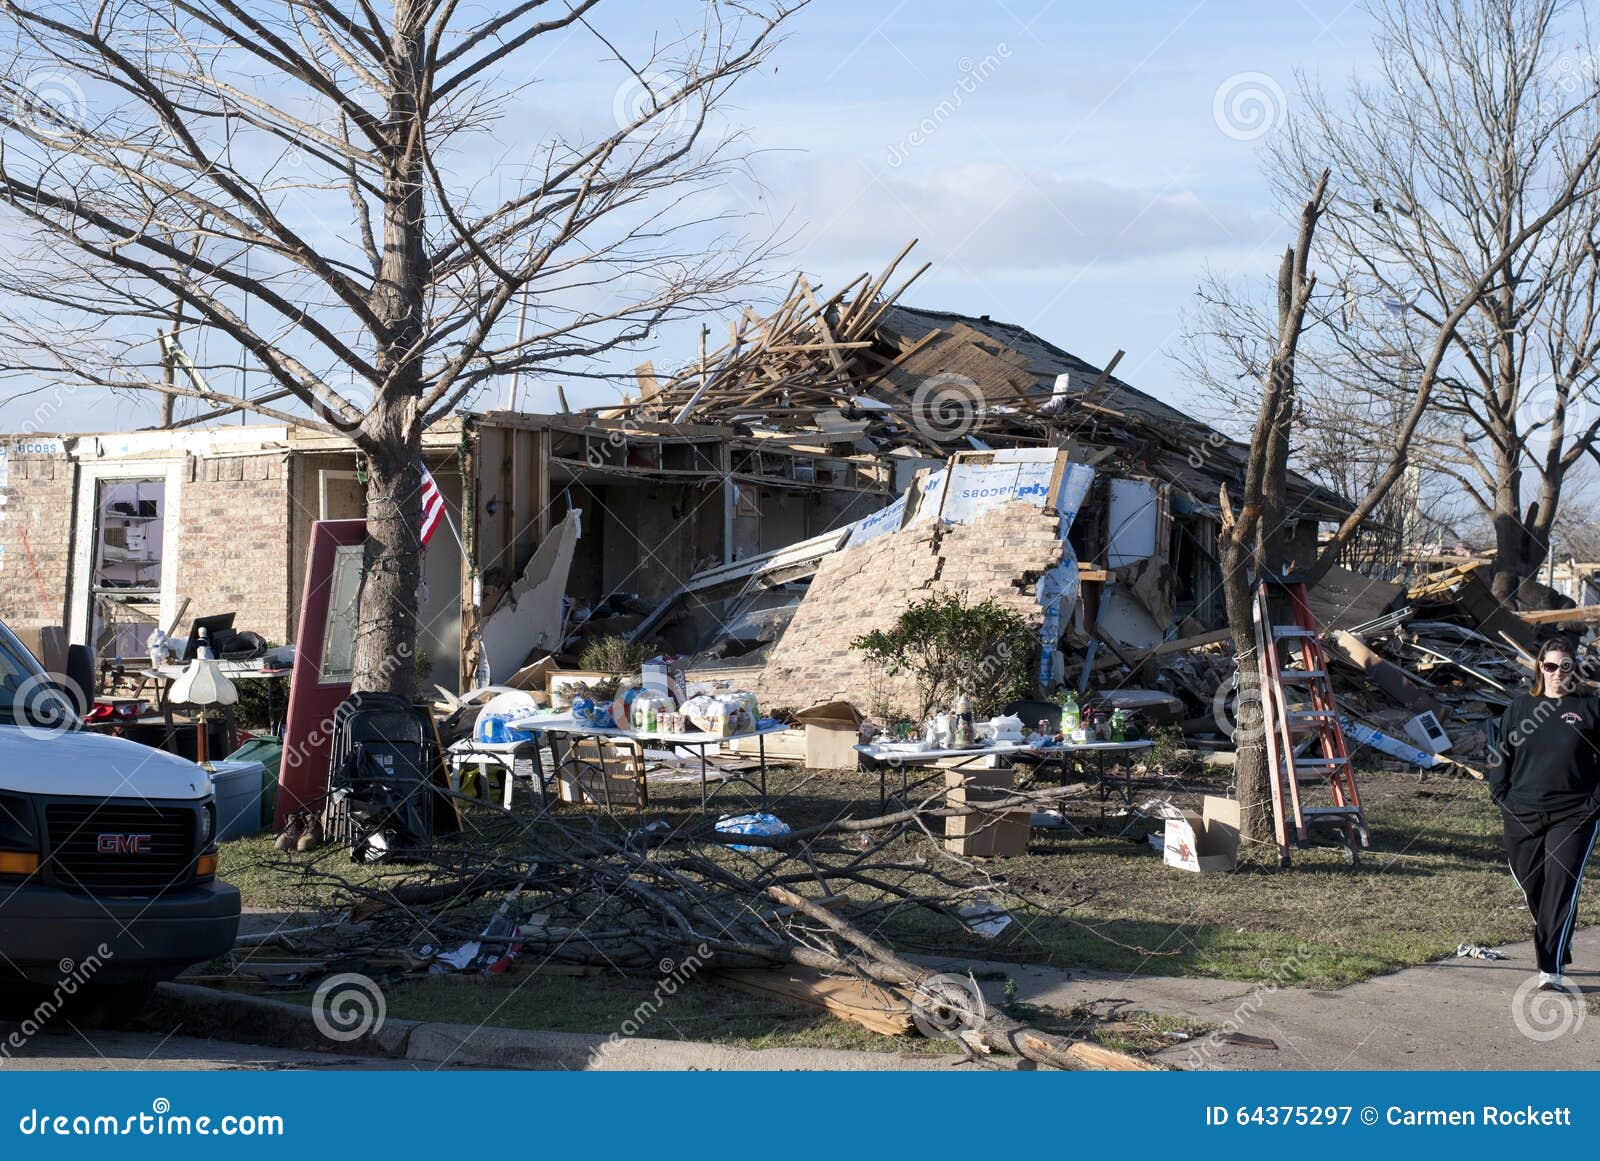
565	726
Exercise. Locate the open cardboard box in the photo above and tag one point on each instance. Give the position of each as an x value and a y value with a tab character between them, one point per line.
1208	841
832	731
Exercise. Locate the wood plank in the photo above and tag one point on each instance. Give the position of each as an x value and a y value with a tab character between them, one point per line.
1184	644
860	1003
1583	613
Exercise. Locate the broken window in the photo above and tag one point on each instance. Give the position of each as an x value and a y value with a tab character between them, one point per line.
129	539
339	629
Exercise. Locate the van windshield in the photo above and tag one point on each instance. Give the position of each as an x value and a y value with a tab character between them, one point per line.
28	697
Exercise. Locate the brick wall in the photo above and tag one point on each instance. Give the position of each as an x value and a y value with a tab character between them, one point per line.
233	542
864	588
36	534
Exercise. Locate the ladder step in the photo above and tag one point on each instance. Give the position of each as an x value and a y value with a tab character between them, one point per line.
1330	812
1298	716
1302	675
1282	631
1320	763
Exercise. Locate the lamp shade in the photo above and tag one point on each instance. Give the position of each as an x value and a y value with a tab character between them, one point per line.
203	683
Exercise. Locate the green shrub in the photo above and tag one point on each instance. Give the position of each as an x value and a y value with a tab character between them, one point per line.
949	647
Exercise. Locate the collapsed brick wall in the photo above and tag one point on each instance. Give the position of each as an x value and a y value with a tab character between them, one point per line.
998	556
233	542
36	536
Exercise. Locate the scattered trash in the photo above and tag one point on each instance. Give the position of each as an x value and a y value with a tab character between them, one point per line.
1478	951
759	823
984	918
458	960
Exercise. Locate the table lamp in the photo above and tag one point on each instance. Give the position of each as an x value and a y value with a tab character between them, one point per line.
202	685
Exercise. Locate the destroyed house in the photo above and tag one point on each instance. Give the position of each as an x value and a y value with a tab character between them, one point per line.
862	374
109	536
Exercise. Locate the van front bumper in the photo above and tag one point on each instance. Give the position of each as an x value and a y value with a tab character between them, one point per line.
48	934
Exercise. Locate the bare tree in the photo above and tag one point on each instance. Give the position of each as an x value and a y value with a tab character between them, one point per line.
351	197
1253	540
1479	110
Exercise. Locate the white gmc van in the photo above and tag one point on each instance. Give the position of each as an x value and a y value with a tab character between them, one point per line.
107	850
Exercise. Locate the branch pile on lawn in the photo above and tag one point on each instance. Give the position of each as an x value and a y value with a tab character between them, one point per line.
560	887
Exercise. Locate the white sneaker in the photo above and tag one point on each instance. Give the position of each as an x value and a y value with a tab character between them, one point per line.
1551	982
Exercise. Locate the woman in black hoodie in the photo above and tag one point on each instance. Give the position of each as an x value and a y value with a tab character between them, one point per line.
1545	776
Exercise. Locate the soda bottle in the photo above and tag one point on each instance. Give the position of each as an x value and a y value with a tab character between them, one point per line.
1070	716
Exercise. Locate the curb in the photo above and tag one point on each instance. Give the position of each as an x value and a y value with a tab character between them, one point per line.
208	1013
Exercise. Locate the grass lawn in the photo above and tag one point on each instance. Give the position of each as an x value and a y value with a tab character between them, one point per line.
1433	879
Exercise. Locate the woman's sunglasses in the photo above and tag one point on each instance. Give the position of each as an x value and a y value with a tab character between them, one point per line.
1556	666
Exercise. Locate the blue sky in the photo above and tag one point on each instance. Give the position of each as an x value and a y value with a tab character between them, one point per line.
1076	181
1074	168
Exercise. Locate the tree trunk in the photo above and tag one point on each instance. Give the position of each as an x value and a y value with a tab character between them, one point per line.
386	633
1251	785
1510	538
391	433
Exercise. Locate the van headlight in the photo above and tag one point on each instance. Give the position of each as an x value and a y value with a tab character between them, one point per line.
208	824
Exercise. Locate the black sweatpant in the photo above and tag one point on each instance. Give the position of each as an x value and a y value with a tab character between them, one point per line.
1547	853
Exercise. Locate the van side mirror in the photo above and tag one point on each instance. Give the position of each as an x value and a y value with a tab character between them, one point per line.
80	677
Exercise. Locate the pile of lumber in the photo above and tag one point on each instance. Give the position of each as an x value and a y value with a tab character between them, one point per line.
842	366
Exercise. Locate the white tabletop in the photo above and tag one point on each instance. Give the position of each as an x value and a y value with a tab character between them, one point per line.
1074	747
905	750
567	724
247	670
900	750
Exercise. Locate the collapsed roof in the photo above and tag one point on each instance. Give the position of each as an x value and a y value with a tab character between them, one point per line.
859	368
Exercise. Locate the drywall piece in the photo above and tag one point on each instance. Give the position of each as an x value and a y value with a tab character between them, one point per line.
1125	619
529	617
1131	520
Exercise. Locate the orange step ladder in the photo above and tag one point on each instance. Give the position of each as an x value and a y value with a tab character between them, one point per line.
1304	740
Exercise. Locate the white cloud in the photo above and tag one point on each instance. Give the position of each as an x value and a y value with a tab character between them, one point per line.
996	218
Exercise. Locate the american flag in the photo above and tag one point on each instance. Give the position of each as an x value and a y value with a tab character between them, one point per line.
432	506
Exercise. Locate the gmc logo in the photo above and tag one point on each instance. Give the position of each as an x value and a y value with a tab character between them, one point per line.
124	844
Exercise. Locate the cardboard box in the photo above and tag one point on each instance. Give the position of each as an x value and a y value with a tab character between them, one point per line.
1208	841
832	731
790	745
984	834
